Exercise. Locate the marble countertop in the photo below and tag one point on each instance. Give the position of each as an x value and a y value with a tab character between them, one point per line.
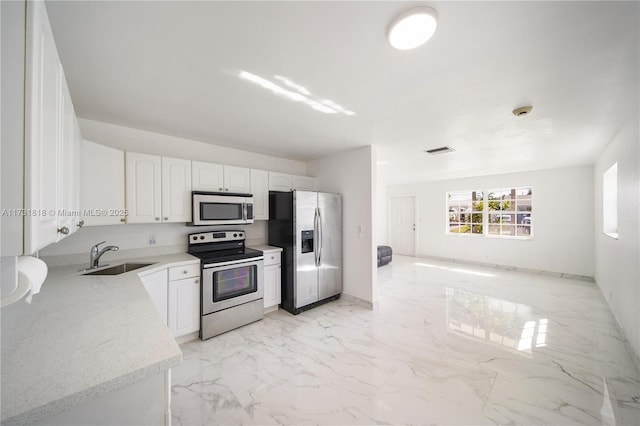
266	249
82	337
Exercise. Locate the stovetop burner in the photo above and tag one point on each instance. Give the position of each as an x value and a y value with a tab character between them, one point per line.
220	246
227	255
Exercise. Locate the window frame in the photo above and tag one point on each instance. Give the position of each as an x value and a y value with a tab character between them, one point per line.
486	212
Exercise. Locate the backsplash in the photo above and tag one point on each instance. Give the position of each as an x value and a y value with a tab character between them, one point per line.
137	240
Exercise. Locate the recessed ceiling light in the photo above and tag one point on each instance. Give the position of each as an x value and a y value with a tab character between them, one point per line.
413	28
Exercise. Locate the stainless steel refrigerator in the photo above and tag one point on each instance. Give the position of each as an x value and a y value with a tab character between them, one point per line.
308	226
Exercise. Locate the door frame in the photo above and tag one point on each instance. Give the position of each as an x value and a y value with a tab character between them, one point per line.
415	217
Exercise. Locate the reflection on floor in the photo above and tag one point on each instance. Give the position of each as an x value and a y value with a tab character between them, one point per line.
448	344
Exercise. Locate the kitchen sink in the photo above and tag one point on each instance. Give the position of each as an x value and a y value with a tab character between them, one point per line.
119	269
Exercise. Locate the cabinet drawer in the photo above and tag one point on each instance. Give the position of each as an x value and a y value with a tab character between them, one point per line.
185	271
272	258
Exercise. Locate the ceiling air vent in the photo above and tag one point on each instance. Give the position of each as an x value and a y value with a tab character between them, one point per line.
441	150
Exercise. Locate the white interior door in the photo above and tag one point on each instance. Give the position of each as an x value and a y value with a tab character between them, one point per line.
402	224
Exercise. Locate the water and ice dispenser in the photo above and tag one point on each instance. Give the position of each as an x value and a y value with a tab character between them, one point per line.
306	244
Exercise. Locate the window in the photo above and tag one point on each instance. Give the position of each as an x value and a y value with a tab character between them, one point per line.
465	212
610	201
503	212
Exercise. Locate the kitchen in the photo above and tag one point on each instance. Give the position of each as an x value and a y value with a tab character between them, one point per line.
171	146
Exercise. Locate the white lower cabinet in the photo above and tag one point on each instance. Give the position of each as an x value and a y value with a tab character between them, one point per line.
184	306
184	299
272	279
156	285
175	291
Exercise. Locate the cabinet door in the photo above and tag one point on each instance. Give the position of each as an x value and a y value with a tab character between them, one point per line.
272	285
156	286
143	183
101	184
42	132
69	163
260	191
176	190
302	183
184	306
207	176
280	182
237	179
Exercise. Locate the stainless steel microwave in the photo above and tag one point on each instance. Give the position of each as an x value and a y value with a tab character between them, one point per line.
221	208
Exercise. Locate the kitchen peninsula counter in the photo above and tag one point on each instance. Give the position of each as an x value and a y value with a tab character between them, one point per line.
82	337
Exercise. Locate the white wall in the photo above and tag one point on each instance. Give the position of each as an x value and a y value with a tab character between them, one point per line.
617	262
352	174
135	140
381	210
562	220
169	238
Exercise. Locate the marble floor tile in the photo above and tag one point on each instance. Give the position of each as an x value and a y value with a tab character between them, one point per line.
448	343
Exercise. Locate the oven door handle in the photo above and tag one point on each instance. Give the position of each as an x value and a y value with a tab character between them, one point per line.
232	262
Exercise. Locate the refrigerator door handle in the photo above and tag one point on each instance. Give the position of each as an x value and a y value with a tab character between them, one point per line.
316	242
319	237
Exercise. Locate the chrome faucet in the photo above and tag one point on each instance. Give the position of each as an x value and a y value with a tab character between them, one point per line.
96	254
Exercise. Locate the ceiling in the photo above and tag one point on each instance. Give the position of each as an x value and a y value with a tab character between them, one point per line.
173	68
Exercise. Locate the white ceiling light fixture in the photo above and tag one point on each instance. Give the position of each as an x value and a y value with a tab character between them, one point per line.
413	28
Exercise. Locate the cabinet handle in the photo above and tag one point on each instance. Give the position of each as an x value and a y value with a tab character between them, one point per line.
64	230
226	189
123	220
184	272
157	218
219	189
197	281
166	218
81	224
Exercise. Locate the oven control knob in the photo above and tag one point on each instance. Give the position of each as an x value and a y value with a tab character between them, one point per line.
195	238
202	237
235	235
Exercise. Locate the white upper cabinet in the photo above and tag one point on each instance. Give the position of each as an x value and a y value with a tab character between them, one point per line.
101	184
302	183
176	190
260	191
207	177
237	179
69	161
280	182
158	189
143	188
51	140
212	177
284	182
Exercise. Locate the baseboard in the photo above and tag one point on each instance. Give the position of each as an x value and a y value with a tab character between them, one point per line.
188	337
635	356
357	301
564	275
270	309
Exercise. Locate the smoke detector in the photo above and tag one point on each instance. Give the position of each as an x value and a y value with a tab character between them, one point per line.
523	110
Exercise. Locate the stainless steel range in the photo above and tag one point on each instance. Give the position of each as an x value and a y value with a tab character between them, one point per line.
232	289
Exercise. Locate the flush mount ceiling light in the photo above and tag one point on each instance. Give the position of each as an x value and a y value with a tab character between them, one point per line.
413	28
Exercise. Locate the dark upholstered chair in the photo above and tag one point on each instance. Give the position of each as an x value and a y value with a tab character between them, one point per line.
384	255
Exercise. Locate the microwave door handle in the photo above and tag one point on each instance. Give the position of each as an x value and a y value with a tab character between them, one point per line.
244	212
